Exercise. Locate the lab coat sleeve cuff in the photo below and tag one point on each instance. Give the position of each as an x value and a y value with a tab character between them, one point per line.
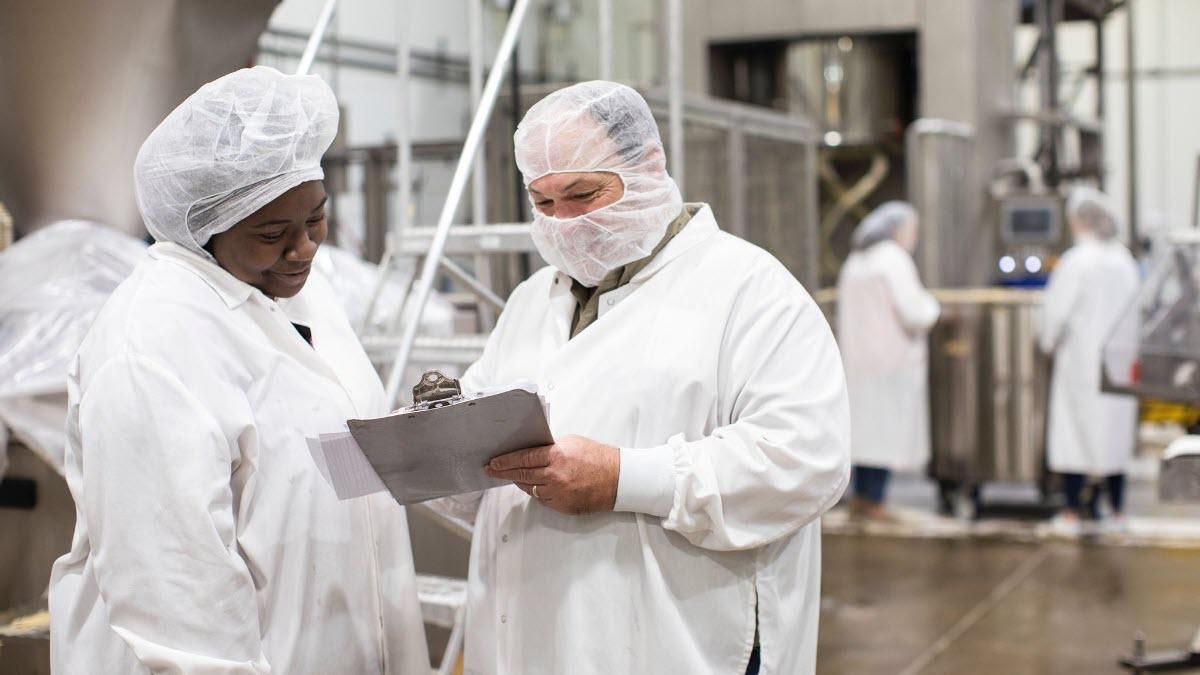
647	481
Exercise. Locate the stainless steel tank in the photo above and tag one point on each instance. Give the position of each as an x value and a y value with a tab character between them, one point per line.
851	87
85	82
989	388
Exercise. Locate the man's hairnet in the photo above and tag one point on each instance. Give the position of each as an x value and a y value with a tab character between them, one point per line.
882	224
229	150
1091	211
598	126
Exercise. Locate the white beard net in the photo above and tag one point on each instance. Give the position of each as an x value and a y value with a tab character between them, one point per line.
230	149
598	126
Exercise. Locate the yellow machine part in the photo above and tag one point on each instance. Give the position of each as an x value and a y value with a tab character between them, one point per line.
1164	412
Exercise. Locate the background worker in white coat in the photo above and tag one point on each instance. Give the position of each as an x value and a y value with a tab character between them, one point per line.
206	539
1091	433
699	408
884	316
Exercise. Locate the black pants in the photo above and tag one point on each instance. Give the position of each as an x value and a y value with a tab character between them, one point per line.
871	482
755	662
1073	490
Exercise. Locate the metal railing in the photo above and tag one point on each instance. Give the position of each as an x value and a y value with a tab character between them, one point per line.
457	184
318	34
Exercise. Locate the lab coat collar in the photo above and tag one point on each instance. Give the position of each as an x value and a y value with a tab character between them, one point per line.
232	290
702	226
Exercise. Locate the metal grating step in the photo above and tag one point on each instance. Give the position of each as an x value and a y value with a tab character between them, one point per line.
468	239
441	598
457	349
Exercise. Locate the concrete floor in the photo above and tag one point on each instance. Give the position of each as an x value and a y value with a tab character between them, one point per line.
949	597
954	606
920	606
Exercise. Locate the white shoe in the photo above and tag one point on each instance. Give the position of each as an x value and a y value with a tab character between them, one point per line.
1113	525
1064	526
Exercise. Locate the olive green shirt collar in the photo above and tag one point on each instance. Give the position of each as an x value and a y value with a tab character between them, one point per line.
587	308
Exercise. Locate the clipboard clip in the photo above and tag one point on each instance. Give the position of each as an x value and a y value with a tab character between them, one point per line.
435	390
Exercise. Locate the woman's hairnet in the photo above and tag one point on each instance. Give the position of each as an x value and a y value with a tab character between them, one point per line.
882	224
599	126
229	150
1091	211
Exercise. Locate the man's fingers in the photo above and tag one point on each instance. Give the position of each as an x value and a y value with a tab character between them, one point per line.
530	476
529	458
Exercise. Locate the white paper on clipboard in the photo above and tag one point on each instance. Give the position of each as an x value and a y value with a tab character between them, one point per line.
418	455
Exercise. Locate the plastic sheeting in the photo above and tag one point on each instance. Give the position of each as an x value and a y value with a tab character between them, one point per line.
354	280
52	284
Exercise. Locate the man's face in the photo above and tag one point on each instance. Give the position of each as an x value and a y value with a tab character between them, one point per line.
273	249
568	195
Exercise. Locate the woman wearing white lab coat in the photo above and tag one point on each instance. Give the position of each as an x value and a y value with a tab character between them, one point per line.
1090	433
206	540
699	409
884	316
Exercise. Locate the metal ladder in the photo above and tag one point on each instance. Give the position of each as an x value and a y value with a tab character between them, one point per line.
443	600
409	250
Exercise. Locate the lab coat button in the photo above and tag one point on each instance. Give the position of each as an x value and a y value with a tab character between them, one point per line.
504	538
610	302
503	618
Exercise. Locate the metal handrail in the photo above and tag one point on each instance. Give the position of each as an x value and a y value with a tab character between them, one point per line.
457	185
314	40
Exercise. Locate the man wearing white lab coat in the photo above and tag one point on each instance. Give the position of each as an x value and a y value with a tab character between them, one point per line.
206	540
699	408
1091	433
884	318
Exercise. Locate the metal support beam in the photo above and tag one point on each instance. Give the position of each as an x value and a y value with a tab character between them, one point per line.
674	18
457	184
1048	14
483	266
736	169
403	123
604	7
479	289
1098	27
314	40
1131	124
520	198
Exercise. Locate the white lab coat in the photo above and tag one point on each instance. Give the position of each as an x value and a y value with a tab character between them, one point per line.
1089	432
717	375
206	540
884	315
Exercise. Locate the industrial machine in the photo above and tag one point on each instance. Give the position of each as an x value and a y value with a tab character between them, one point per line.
1032	234
1154	353
989	400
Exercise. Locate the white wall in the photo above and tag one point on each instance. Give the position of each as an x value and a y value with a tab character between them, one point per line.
558	39
1167	46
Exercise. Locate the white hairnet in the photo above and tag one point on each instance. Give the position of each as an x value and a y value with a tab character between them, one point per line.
1090	210
598	126
883	223
229	150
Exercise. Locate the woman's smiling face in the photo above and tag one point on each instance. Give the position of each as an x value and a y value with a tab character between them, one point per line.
273	249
